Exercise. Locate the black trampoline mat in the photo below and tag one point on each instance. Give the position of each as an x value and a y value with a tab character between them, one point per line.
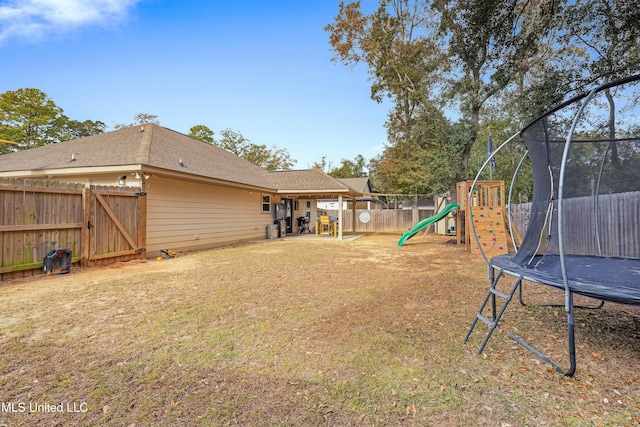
609	279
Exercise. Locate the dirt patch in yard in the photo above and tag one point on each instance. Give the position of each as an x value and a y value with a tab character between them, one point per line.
298	332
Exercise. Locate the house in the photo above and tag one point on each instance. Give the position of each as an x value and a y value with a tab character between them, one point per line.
299	191
197	195
365	201
423	204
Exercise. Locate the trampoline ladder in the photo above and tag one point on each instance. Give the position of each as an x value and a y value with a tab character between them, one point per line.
495	316
495	319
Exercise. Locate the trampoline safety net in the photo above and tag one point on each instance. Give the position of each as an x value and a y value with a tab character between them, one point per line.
585	158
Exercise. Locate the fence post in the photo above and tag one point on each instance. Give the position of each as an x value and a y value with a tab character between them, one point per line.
142	223
85	230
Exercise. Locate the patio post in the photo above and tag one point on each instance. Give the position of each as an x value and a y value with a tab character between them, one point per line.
353	214
340	217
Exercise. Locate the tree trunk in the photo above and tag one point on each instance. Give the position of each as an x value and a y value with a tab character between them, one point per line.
466	151
615	159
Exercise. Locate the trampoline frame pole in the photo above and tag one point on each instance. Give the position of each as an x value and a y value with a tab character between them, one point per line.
513	183
563	169
473	185
563	266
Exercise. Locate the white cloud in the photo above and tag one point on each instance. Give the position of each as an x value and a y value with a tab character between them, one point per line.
36	18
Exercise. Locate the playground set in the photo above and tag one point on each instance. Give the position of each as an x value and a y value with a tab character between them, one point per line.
487	212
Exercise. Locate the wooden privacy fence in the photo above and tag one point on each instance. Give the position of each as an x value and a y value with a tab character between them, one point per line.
100	225
381	220
618	228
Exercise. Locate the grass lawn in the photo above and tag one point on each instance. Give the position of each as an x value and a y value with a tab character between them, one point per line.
303	333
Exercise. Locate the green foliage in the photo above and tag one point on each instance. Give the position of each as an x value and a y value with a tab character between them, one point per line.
203	133
29	117
464	52
139	119
491	45
324	164
270	159
279	159
236	143
424	162
402	63
73	129
349	168
609	33
520	58
506	160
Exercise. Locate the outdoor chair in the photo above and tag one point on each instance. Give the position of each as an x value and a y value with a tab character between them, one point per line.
325	225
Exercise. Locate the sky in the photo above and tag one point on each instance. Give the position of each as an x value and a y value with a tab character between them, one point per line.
259	67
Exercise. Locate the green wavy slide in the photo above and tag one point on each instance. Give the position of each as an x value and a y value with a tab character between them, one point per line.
426	222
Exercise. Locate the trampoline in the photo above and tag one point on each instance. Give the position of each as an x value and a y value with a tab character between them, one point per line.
583	230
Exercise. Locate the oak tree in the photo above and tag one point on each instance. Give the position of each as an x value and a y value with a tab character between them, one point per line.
425	54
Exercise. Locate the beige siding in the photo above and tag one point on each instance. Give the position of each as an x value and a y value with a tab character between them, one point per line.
184	216
302	211
302	208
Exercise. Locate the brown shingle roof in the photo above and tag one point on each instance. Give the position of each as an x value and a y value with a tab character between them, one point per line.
305	180
160	148
359	184
148	145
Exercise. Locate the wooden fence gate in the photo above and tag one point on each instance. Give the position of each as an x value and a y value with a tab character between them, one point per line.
100	225
115	224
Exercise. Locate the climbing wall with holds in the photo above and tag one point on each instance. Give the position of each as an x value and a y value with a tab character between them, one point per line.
489	225
482	211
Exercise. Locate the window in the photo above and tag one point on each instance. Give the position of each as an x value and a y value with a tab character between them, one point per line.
266	203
